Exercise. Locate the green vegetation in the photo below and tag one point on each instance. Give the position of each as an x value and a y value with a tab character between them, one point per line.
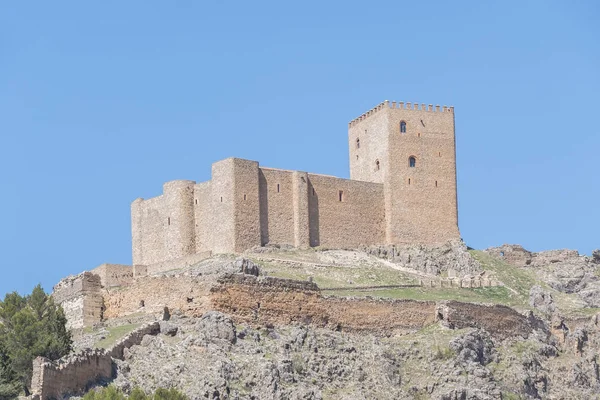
114	334
497	294
519	280
30	326
112	393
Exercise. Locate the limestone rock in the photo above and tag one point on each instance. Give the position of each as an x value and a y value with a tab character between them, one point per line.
215	326
451	257
542	300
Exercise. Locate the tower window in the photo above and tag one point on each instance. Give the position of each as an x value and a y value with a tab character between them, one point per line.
412	162
419	134
221	199
402	127
436	184
341	195
358	143
244	197
278	188
377	165
196	201
169	221
409	181
439	153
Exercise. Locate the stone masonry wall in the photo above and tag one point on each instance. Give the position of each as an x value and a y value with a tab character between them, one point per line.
114	274
386	202
420	201
72	374
80	296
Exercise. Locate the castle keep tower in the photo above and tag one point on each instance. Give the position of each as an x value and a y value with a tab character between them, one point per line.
411	150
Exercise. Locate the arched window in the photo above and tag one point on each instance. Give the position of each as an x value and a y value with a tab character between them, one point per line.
358	143
402	127
377	165
412	162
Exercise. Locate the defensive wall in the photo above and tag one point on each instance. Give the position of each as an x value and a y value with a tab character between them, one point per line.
245	206
72	374
81	299
402	190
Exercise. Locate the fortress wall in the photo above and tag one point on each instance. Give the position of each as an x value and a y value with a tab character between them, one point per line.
282	301
202	216
179	225
301	209
419	211
152	293
80	297
247	230
356	220
53	379
221	219
276	206
114	274
150	219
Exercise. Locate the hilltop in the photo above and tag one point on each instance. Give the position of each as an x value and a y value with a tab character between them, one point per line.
383	322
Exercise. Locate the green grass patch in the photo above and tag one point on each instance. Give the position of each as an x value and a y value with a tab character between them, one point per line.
497	294
114	334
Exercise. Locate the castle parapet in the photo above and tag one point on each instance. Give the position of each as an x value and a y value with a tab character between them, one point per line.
400	105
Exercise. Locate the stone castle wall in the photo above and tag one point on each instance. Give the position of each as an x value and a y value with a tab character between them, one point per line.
81	299
72	374
386	202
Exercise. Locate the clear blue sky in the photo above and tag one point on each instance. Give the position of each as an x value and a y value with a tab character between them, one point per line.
100	103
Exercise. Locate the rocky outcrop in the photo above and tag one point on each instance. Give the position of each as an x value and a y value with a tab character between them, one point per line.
451	258
564	270
541	300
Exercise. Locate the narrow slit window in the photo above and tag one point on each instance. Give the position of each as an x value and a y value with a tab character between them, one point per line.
402	127
412	162
169	221
358	143
439	153
341	195
419	134
221	199
436	184
244	197
196	201
409	181
377	165
278	188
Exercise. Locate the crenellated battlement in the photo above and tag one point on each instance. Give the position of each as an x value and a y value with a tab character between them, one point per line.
400	105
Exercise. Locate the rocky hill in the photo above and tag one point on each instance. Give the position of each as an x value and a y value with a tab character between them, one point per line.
375	323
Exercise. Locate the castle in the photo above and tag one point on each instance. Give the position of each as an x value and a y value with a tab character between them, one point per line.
402	189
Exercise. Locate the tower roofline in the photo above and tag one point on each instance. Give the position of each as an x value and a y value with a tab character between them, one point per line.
400	105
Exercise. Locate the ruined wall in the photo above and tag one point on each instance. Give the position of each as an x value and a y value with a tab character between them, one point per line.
151	294
282	301
500	321
80	296
72	374
114	274
358	219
